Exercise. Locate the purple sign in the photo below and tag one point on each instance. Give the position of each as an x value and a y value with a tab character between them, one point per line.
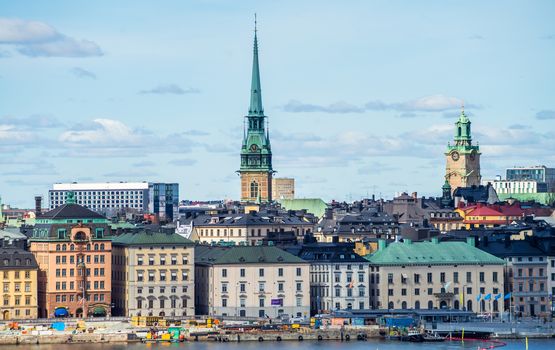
278	302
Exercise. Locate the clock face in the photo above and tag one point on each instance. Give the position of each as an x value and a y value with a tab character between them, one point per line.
455	156
254	147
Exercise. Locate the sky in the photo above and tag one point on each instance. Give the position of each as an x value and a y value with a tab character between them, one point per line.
361	96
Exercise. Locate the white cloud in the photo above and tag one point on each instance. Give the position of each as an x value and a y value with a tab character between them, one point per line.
83	73
105	132
38	39
170	89
433	103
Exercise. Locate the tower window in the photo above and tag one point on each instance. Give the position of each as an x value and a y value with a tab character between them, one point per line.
254	189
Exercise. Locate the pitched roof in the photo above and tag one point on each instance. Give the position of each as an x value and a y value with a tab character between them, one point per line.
432	253
330	253
484	211
217	255
71	211
149	238
314	206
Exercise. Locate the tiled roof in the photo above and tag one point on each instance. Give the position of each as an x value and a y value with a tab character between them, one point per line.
217	255
484	211
148	238
432	253
71	211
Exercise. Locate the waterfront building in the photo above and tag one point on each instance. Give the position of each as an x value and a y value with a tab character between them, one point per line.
18	278
249	228
283	188
250	281
338	277
72	246
462	158
435	275
529	272
153	274
256	169
161	199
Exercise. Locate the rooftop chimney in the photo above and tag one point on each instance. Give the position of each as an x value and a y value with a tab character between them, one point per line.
38	205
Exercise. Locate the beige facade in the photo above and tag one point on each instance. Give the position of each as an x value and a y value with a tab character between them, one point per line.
283	188
240	229
254	285
256	186
153	275
423	287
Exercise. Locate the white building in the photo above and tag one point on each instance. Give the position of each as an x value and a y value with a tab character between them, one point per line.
155	198
250	281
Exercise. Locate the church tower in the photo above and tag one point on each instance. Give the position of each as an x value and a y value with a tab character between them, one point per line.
256	153
463	159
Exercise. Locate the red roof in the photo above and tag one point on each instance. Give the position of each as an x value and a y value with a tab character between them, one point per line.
484	211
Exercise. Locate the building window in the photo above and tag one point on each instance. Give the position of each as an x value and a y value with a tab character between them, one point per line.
298	271
242	272
495	277
224	273
254	189
430	280
482	277
261	272
469	277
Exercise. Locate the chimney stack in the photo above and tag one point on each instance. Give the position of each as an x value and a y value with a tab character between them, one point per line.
38	205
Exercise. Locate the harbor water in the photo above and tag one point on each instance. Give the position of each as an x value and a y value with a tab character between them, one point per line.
533	344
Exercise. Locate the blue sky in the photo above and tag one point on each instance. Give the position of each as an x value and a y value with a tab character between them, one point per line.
361	95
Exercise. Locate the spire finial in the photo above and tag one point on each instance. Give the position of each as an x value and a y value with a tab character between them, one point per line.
462	106
255	24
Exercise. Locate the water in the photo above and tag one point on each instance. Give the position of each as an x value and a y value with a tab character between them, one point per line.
534	344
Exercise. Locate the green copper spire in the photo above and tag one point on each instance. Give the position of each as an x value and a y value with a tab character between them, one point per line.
70	197
463	136
256	91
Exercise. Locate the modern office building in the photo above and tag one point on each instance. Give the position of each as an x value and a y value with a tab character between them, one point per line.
539	173
153	274
283	188
155	198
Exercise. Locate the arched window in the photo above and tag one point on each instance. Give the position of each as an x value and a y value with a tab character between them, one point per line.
254	189
456	304
71	247
390	305
430	304
64	247
459	131
101	246
469	305
96	246
88	247
57	247
404	305
495	306
417	305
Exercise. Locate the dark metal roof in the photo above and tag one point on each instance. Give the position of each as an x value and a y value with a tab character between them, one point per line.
14	258
71	211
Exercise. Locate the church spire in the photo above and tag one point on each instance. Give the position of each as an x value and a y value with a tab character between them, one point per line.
256	92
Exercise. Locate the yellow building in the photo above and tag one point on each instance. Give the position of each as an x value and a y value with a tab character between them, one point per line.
18	278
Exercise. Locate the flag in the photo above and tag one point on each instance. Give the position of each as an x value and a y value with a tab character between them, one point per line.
351	284
498	296
461	298
507	296
487	297
446	285
478	297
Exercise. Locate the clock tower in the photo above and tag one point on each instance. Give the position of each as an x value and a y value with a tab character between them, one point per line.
256	153
463	158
